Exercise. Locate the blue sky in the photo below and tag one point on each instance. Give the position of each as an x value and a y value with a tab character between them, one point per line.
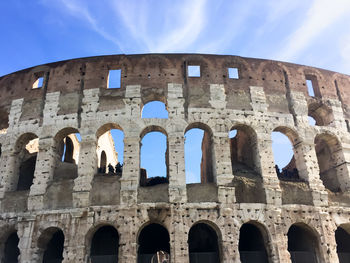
315	32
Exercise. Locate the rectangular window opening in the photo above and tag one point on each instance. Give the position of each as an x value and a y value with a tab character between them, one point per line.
194	71
114	79
310	88
233	73
38	83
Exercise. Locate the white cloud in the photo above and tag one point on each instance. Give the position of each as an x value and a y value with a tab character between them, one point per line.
79	10
321	15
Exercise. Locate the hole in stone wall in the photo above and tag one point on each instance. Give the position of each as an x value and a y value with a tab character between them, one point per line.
27	151
233	73
330	161
302	244
312	121
154	109
11	251
67	148
194	71
114	79
105	245
312	86
284	158
342	238
154	158
54	248
203	244
153	240
321	113
251	245
110	150
39	82
198	156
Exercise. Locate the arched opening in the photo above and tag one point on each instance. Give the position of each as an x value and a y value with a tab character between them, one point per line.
198	154
321	113
110	149
252	245
27	148
67	147
154	157
302	244
153	241
330	161
11	250
155	109
54	249
342	237
312	121
283	141
105	245
203	244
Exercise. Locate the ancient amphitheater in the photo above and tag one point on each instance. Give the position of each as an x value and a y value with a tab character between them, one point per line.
60	203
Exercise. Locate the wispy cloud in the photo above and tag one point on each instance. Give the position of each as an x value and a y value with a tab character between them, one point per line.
79	10
180	29
321	15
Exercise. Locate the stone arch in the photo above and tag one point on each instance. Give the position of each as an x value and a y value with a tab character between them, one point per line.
103	243
26	151
331	162
8	245
254	243
243	147
291	170
304	243
207	171
110	140
342	238
321	112
160	114
151	239
204	242
66	153
145	180
51	245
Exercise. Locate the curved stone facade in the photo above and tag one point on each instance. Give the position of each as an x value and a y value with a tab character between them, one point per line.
266	96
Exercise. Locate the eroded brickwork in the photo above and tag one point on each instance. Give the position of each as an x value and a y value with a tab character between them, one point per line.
267	96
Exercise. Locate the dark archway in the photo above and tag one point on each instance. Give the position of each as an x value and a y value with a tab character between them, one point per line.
54	249
152	239
68	150
302	244
251	245
105	245
342	238
11	251
203	244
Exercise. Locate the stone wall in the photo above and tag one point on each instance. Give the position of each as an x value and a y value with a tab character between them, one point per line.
267	96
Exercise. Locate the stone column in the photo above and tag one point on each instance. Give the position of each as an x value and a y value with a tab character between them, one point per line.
178	236
272	188
87	168
307	164
28	254
44	169
282	247
338	115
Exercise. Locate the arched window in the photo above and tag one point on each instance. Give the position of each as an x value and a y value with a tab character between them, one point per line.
320	113
203	244
27	148
54	248
105	245
154	109
153	242
252	246
110	149
302	244
11	251
154	157
330	161
283	141
342	238
67	147
199	154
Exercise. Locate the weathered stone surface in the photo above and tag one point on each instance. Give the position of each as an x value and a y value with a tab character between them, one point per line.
78	199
